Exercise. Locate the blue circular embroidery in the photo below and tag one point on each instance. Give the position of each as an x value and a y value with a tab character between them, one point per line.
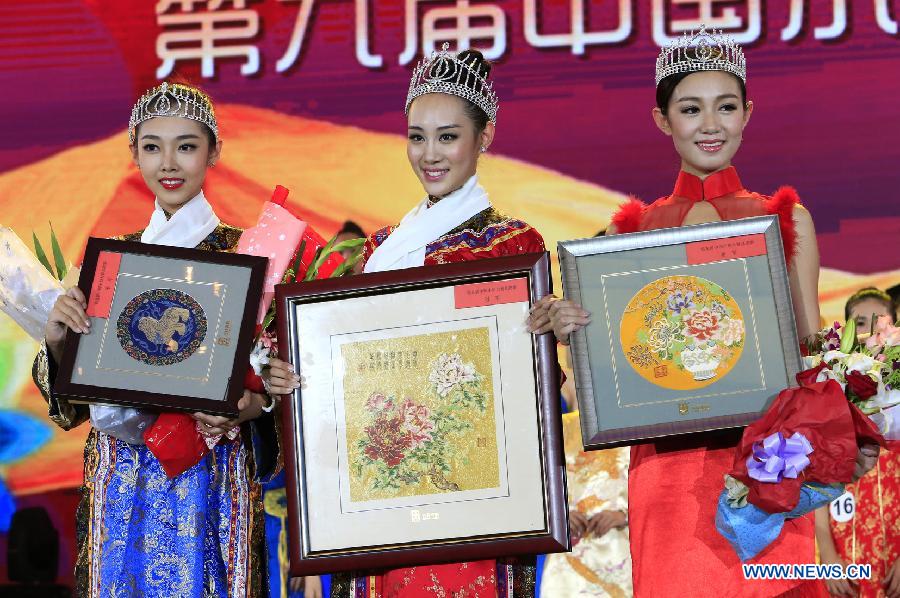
161	327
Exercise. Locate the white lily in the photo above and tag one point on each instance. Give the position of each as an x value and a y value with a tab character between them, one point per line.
834	355
860	362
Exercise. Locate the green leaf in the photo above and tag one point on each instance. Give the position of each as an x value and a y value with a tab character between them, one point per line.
41	256
313	269
331	248
347	264
270	317
58	258
298	263
348	244
321	255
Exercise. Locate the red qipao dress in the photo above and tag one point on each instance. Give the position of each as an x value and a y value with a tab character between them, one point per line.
872	536
674	484
487	234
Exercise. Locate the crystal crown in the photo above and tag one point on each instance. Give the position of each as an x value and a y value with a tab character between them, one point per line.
701	51
443	72
173	99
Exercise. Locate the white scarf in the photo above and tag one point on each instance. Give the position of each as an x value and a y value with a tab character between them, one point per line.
405	247
185	228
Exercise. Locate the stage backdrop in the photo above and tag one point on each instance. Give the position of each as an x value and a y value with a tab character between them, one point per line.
310	95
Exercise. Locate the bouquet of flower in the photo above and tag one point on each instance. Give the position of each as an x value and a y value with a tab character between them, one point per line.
799	455
175	438
866	366
29	285
313	259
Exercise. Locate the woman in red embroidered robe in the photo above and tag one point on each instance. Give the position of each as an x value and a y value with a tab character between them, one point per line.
674	483
450	122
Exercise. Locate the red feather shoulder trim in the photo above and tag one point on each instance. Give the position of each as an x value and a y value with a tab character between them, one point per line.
628	217
782	204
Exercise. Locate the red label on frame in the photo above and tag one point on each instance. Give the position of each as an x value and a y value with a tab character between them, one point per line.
703	252
103	289
480	294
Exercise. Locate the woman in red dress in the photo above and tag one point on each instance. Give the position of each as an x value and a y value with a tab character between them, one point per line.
673	485
451	110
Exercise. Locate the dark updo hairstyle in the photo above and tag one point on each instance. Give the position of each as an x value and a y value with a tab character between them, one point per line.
483	67
868	293
667	86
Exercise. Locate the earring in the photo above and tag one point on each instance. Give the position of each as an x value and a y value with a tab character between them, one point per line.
483	149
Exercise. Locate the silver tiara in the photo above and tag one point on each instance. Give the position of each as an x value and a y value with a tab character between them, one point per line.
701	51
443	72
173	99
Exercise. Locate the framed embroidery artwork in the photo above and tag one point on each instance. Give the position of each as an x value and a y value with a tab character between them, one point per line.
428	426
171	328
692	329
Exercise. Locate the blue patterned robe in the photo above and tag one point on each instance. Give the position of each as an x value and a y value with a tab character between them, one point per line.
142	534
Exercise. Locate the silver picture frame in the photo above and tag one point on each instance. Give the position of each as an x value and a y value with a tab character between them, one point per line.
738	268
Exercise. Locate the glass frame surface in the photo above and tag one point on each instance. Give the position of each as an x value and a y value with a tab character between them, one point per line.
620	408
233	338
312	438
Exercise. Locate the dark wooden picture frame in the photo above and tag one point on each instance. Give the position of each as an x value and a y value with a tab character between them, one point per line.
85	393
597	393
555	536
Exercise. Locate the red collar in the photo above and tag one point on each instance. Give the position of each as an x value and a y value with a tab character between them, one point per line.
718	184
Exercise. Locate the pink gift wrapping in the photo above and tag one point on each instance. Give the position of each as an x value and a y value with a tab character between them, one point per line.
276	237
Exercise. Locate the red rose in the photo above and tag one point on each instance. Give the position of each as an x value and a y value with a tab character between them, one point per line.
861	385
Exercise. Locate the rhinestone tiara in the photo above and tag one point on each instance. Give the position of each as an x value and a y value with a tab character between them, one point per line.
173	99
443	72
701	51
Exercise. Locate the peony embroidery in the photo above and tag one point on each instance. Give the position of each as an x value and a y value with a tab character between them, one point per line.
682	332
450	372
701	325
408	442
388	440
417	420
731	331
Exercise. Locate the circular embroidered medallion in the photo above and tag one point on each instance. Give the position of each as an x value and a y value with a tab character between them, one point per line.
161	327
682	332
